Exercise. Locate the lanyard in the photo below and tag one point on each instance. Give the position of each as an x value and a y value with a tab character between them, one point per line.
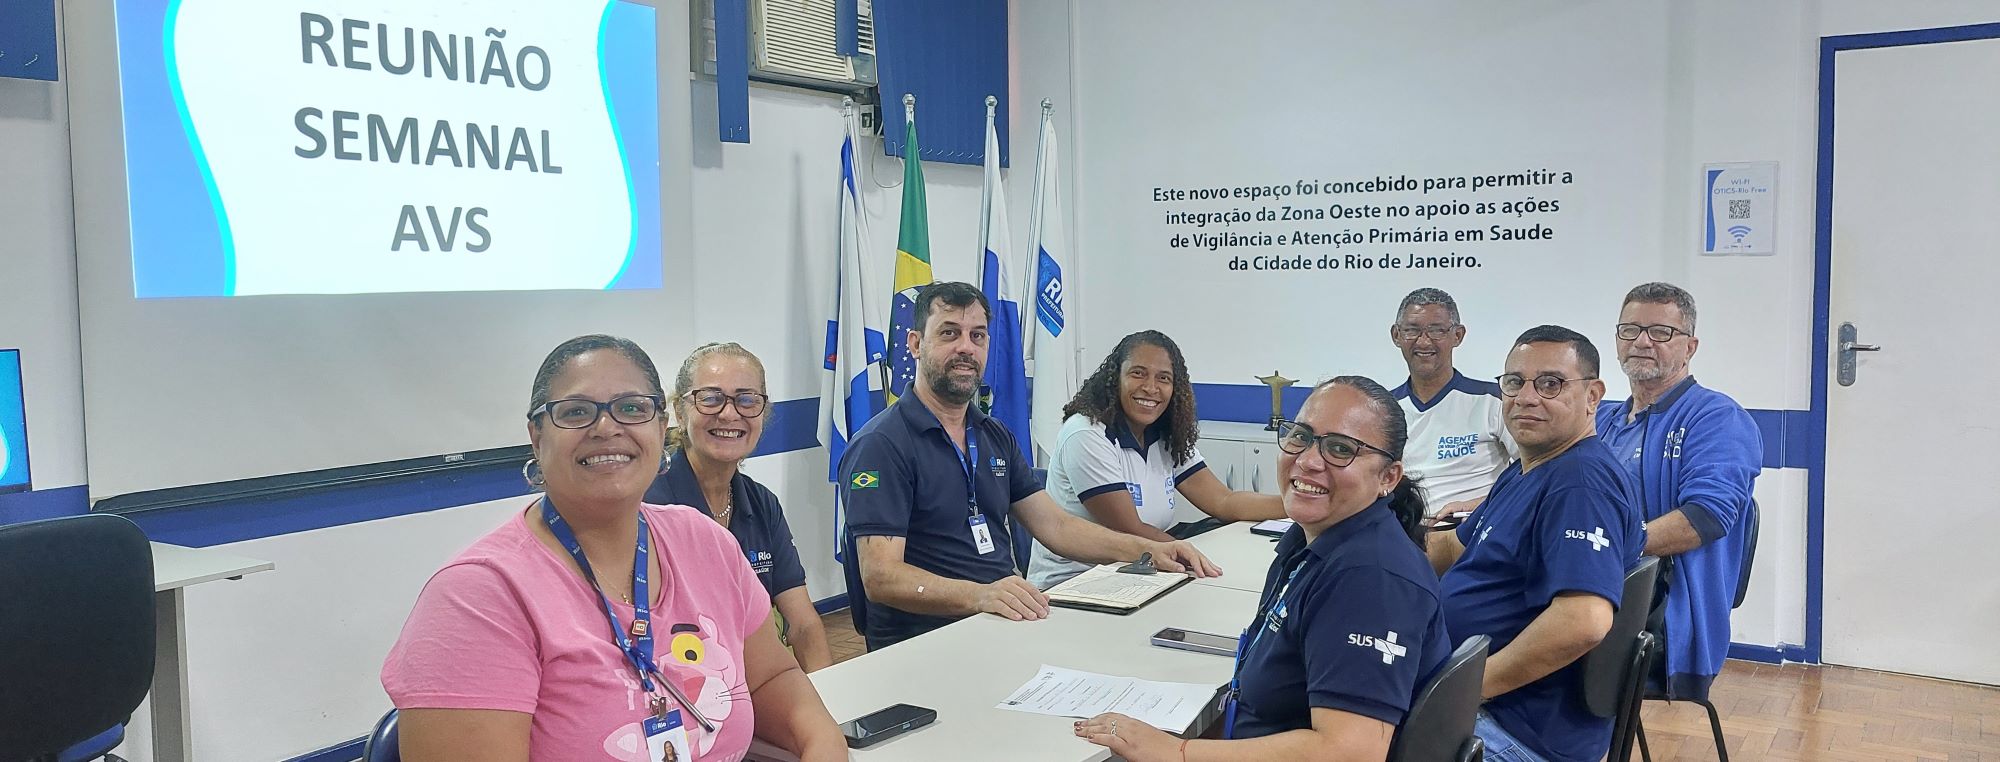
971	486
638	648
1243	650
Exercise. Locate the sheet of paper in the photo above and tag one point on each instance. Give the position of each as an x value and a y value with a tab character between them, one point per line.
1106	585
1064	692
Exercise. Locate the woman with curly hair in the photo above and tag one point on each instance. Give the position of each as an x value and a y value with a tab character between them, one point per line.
1127	452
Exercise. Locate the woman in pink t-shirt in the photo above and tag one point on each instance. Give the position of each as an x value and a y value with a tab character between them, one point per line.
528	645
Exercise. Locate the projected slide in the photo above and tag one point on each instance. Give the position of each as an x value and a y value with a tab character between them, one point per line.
13	425
314	147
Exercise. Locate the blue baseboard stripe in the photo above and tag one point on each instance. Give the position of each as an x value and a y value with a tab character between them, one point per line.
829	605
1791	437
346	751
1778	654
792	425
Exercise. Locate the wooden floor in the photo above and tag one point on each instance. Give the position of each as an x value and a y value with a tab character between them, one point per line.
1793	712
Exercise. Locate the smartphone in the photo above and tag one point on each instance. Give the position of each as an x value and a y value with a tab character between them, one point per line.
886	724
1448	521
1199	642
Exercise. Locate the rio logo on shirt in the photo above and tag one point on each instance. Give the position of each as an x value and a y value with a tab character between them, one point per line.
1457	447
1386	644
1673	443
1595	537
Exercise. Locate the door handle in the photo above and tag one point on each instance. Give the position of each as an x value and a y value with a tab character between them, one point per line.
1847	346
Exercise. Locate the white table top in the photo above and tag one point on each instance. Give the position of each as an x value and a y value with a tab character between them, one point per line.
964	669
175	566
1238	431
1244	557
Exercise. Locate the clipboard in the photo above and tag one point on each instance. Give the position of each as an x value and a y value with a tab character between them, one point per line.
1136	591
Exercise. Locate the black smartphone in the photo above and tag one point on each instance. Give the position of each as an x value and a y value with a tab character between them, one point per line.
1199	642
886	724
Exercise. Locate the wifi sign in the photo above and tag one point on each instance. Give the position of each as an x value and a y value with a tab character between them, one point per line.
1739	231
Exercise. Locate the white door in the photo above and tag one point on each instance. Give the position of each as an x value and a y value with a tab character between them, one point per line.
1912	477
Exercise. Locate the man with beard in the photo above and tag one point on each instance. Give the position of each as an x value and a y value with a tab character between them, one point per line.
929	484
1696	455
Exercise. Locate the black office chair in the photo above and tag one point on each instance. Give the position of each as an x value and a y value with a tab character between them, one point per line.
857	595
1614	673
1018	534
1751	524
381	744
76	631
1439	725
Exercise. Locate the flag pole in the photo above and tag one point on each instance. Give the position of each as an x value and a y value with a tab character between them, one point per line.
1035	231
986	207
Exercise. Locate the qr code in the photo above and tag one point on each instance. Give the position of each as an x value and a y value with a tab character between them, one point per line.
1739	209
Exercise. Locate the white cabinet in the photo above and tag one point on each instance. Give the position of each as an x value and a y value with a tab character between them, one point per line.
1243	455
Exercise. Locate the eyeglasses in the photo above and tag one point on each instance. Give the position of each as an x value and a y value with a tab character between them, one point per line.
1658	333
631	410
1338	449
1433	332
710	401
1549	385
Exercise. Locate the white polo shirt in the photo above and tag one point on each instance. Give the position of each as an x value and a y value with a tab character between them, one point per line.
1458	442
1090	461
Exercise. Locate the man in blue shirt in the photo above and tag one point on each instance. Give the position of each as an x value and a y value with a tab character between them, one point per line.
1696	455
1540	566
929	483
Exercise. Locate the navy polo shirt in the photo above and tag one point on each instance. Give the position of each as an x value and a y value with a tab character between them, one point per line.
1359	627
903	477
1570	525
757	522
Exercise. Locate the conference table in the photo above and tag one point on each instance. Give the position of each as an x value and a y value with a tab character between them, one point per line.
176	568
965	669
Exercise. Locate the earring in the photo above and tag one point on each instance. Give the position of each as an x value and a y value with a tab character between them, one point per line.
531	472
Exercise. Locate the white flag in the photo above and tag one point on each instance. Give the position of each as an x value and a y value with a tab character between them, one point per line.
853	346
1054	344
1006	372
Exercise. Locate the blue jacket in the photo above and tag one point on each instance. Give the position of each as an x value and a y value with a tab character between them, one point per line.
1695	450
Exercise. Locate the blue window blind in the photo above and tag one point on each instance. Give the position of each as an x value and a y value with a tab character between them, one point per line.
732	70
28	39
951	55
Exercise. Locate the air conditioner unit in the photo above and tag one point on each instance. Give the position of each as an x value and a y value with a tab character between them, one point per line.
792	42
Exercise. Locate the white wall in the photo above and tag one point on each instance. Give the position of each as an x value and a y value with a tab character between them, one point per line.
38	288
1732	81
1639	95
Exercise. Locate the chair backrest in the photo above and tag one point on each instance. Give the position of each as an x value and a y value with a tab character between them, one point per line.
381	745
1749	525
76	630
1607	668
1440	720
1016	533
857	595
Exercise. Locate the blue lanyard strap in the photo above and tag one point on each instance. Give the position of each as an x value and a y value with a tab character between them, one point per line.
970	465
1243	649
638	648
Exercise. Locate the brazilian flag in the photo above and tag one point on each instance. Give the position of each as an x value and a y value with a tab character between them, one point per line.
913	268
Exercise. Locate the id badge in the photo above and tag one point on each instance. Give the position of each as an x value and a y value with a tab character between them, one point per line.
982	537
667	739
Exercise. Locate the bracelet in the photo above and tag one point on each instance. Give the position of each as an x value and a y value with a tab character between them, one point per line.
1184	742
